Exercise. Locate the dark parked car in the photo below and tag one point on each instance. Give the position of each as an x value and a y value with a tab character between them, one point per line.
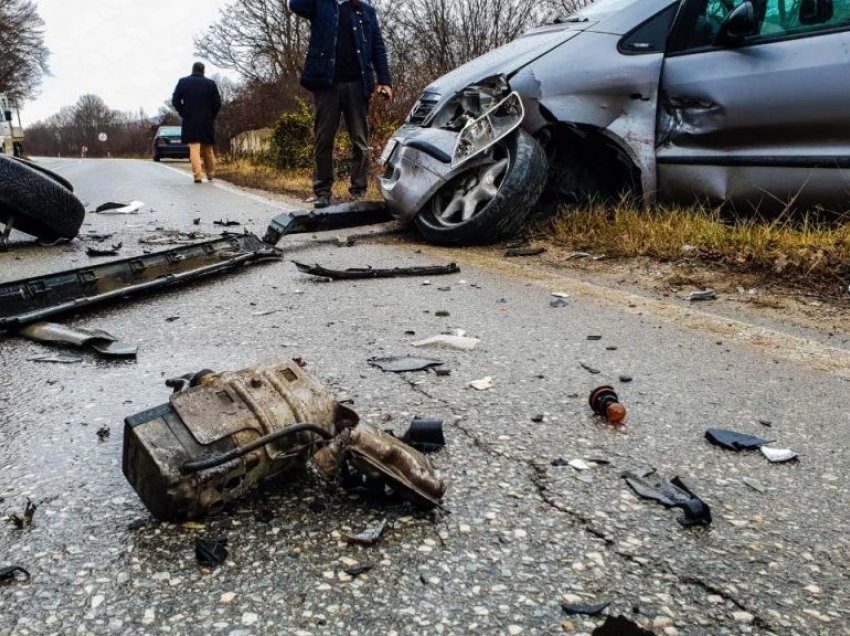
168	145
744	103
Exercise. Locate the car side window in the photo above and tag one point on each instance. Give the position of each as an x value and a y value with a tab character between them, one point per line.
702	20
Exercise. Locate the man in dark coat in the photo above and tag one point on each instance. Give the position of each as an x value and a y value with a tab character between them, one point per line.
345	52
198	101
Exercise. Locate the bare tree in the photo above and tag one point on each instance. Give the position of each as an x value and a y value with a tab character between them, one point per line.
262	40
23	54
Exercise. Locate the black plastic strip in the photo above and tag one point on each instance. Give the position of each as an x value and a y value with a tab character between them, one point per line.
756	161
429	149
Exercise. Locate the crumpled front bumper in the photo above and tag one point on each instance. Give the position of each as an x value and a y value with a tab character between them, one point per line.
418	167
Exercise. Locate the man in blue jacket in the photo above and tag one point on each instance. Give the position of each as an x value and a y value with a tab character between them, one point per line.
345	53
197	100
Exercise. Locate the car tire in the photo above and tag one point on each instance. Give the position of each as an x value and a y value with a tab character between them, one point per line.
38	203
517	190
47	173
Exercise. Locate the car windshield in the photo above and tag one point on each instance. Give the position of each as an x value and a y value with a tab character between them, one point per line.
170	131
596	10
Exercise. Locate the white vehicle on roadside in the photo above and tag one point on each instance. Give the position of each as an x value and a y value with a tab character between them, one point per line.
11	136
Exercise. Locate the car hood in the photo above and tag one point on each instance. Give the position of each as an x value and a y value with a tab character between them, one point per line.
507	59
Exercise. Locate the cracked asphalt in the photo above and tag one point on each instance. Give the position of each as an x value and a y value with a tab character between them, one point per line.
518	536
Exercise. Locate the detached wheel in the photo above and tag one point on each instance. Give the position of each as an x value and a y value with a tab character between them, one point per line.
37	202
489	202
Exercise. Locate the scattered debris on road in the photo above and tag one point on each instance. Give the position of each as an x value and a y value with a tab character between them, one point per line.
370	536
57	358
538	418
336	217
449	341
8	573
227	223
559	300
98	340
97	251
425	435
173	237
404	364
103	433
704	294
24	519
484	384
755	484
672	494
731	440
33	299
354	572
362	273
592	609
778	455
589	369
605	402
112	207
625	379
211	553
514	252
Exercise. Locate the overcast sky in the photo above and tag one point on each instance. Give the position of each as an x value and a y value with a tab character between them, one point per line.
130	52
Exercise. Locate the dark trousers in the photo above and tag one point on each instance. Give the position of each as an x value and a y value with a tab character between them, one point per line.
347	100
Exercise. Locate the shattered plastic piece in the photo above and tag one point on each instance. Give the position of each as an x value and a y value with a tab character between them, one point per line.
537	419
560	462
369	536
577	255
59	358
594	338
8	572
359	273
227	223
731	440
103	433
705	294
111	207
766	423
424	435
463	343
672	494
778	455
625	379
620	626
33	299
755	484
211	552
404	364
99	340
357	571
483	384
586	610
605	402
579	464
96	251
442	314
589	368
22	521
524	251
335	217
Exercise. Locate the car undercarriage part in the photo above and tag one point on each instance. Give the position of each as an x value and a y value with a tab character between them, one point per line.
216	440
99	340
34	299
359	273
335	217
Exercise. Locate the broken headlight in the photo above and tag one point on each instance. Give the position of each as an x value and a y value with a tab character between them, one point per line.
494	125
470	103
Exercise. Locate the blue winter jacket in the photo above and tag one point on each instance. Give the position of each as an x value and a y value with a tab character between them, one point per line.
321	53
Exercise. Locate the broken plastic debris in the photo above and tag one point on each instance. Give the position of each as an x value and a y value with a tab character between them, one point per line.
359	273
211	552
60	358
587	610
559	299
22	521
579	464
97	251
483	384
524	251
99	340
358	570
404	364
576	255
778	455
755	484
425	435
369	536
8	573
226	223
731	440
558	463
620	626
103	433
463	343
705	294
111	207
672	494
589	368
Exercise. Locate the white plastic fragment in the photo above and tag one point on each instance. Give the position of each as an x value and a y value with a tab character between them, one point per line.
452	342
705	294
483	384
778	455
579	464
132	207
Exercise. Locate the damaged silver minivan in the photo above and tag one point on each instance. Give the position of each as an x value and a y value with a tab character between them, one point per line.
744	102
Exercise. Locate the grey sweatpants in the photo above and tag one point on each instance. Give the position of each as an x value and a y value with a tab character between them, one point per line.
346	100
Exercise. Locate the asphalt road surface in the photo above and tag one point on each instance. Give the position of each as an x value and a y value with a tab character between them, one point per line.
518	536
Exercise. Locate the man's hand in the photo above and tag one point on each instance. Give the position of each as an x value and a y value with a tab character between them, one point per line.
386	91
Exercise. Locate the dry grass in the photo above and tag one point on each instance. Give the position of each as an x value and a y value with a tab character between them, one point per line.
296	183
796	250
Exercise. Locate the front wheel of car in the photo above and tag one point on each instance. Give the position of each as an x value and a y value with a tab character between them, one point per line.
490	201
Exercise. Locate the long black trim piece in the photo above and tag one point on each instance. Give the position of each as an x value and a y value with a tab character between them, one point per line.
429	149
755	161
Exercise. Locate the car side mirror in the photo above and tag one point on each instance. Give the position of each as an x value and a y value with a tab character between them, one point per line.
738	25
816	11
8	115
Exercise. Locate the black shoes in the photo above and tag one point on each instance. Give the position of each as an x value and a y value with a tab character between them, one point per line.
322	201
